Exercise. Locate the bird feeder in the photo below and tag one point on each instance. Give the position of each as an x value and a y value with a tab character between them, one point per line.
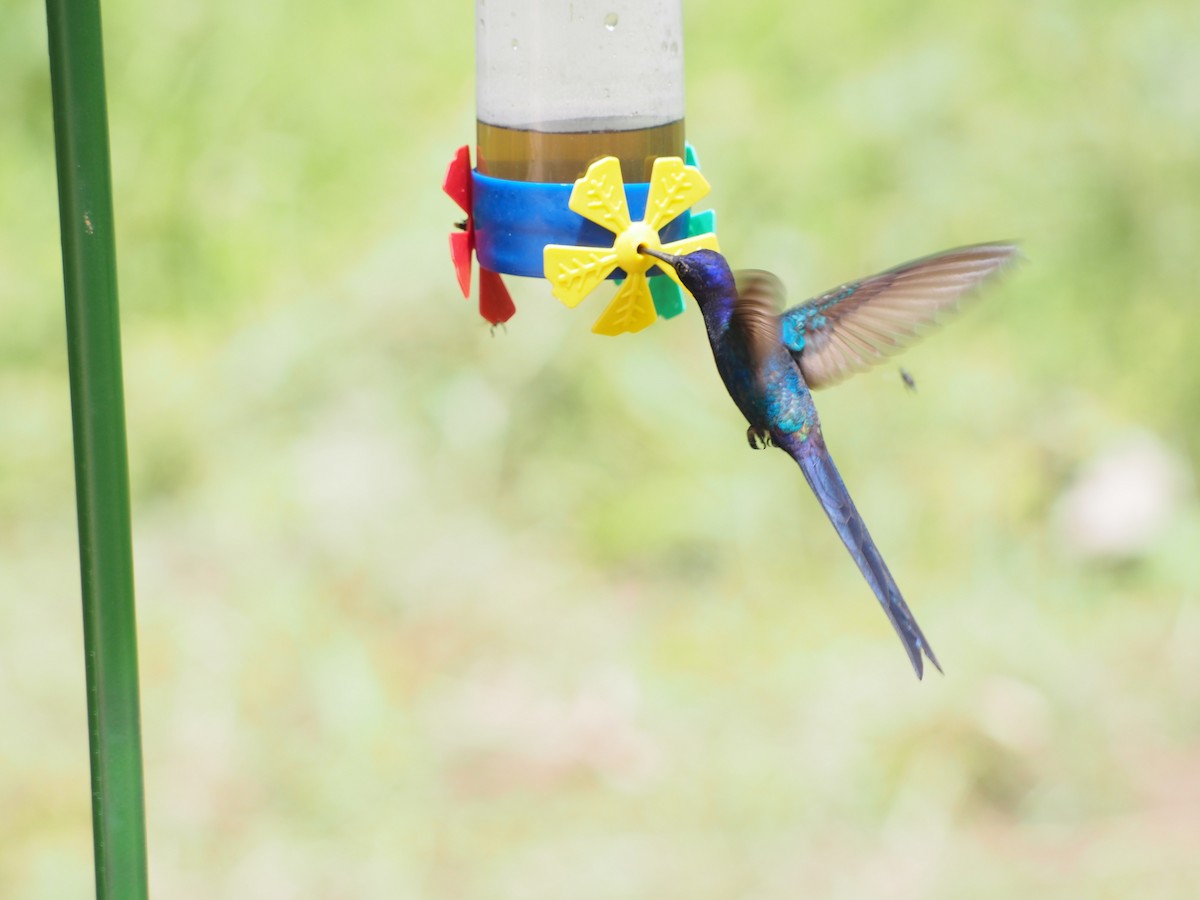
580	157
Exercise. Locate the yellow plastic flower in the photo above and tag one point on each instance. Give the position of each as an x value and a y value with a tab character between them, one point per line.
599	196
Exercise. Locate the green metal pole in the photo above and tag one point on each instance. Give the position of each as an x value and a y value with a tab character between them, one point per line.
101	466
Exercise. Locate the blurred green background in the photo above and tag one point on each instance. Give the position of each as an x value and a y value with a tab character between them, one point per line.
428	612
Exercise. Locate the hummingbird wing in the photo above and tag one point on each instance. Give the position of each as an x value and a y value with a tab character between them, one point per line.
756	314
857	324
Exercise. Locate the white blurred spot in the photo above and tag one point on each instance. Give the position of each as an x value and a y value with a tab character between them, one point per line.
1015	714
1122	500
519	731
350	475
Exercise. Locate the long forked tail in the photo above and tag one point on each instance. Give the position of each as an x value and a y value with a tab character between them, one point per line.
827	484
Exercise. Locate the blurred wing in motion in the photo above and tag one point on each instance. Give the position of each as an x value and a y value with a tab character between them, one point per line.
856	325
756	313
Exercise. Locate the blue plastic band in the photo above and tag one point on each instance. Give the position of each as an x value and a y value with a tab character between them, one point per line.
515	220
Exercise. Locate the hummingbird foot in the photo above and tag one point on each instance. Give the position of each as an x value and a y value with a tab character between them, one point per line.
756	435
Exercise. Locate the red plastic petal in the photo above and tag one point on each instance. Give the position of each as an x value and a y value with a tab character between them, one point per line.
458	179
495	304
460	255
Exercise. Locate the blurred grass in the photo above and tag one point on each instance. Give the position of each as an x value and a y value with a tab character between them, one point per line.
426	612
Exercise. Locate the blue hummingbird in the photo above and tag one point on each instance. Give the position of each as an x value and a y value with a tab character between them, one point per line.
770	361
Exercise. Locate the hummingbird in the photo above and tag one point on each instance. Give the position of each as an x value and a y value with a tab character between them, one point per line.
771	361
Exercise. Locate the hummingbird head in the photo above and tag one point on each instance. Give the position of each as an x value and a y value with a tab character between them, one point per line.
705	273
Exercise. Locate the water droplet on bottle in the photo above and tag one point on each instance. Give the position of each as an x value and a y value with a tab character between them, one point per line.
514	43
610	21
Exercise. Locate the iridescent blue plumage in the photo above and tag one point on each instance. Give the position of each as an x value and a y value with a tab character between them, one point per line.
769	361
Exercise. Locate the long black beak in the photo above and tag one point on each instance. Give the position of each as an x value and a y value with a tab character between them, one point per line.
658	254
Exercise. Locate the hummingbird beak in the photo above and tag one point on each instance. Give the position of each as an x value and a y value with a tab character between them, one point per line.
658	254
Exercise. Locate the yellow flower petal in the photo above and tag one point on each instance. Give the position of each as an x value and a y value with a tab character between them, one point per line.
574	272
674	188
599	196
632	309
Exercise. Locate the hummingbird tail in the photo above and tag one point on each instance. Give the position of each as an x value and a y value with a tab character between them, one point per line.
826	482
